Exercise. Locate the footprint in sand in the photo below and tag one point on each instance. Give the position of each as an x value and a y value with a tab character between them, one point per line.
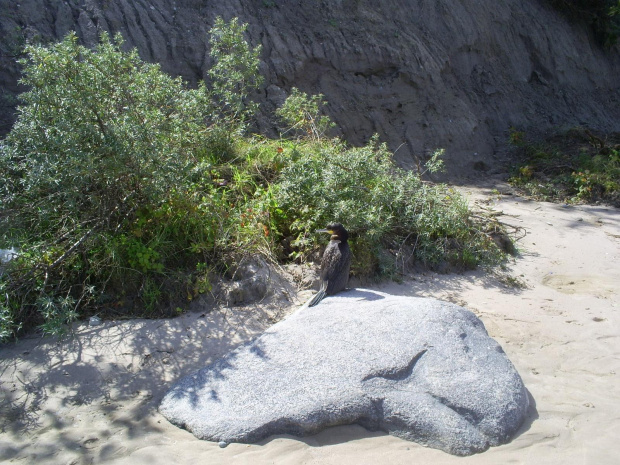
597	285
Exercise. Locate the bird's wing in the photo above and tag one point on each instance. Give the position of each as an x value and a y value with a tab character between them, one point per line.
329	263
316	298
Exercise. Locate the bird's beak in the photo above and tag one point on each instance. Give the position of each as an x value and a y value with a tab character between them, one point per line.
325	231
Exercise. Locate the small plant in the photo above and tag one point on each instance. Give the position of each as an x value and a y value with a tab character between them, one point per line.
577	166
57	312
516	138
150	295
511	281
235	72
303	113
435	163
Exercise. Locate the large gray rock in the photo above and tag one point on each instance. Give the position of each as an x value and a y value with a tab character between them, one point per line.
418	368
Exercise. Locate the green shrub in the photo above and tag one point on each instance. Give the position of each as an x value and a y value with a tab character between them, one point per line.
124	191
234	74
108	180
303	114
576	166
384	208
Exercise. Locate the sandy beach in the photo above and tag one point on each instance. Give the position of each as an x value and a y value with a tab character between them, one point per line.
93	398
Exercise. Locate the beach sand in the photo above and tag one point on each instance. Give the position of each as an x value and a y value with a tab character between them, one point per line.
94	398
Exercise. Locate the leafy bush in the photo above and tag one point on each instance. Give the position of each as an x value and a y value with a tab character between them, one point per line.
385	208
124	191
577	166
303	113
234	73
109	175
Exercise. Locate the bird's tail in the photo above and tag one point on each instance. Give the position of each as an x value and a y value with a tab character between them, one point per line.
316	298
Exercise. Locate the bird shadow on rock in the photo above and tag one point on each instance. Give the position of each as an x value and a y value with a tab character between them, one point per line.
451	287
361	294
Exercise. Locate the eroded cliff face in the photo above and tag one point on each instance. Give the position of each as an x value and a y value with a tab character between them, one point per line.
423	74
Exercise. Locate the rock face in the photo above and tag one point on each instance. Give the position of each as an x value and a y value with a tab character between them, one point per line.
422	74
418	368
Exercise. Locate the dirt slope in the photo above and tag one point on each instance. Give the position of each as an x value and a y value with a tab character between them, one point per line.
452	74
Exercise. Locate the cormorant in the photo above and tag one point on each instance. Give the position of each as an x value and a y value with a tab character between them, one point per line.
335	264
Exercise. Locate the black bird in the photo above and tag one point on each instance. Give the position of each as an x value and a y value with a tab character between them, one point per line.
335	264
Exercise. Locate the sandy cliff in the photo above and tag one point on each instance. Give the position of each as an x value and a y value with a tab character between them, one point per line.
452	74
